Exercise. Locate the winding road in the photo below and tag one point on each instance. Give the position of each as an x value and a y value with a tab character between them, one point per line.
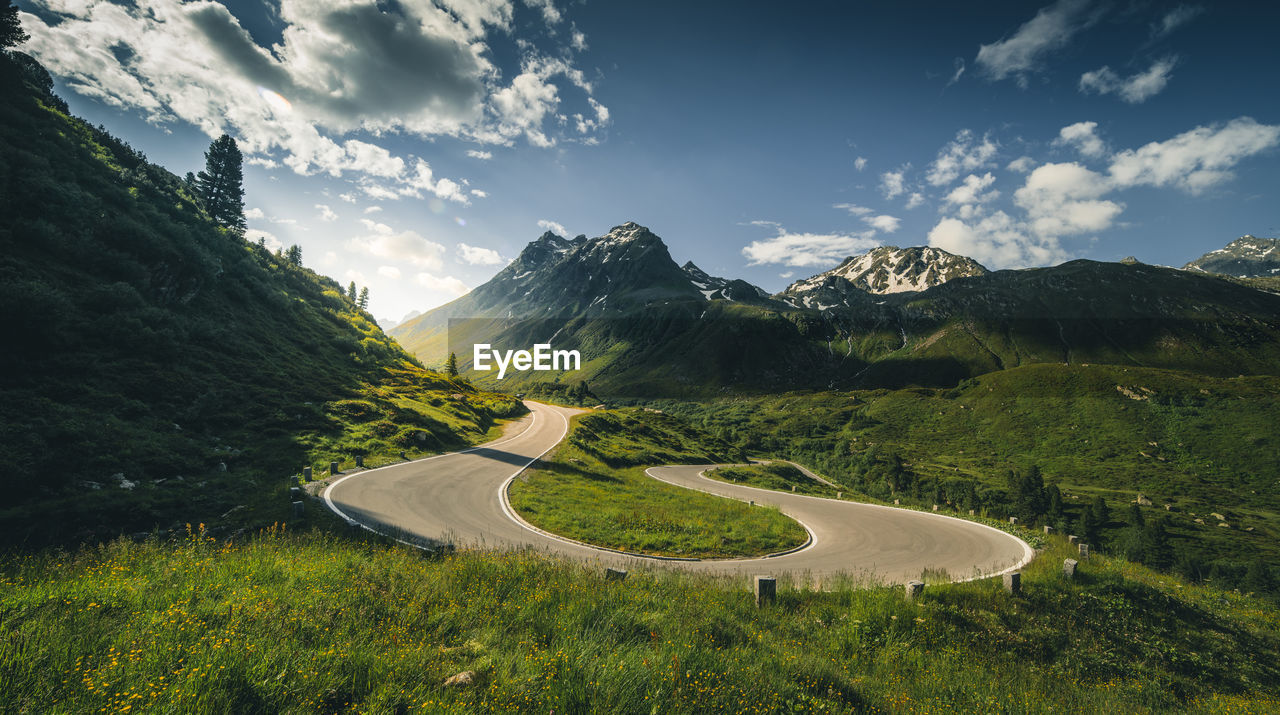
461	498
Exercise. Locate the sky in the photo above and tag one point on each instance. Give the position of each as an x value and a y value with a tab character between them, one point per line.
416	147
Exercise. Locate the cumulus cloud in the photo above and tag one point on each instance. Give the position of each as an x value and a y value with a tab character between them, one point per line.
806	249
893	183
1065	199
552	226
389	272
268	239
1021	165
477	154
1023	52
372	209
1134	89
860	163
550	14
477	256
996	240
340	66
1081	135
973	190
963	154
403	247
883	223
915	199
447	285
1194	160
254	213
327	214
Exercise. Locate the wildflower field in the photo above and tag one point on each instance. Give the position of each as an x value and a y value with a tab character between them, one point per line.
318	623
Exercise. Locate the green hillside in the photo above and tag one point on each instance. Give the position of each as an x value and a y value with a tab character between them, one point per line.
1202	445
158	369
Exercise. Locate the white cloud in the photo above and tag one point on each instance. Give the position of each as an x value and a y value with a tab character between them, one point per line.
338	68
1174	19
372	209
447	285
1023	52
915	199
883	223
893	183
326	214
1135	89
477	256
389	272
1081	136
963	154
786	274
1066	199
1194	160
995	240
1021	165
959	71
853	209
269	239
477	154
479	194
553	227
254	213
860	163
578	41
404	247
806	249
971	191
348	197
550	14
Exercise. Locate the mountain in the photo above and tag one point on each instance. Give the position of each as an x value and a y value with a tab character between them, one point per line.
881	271
160	369
1245	257
890	318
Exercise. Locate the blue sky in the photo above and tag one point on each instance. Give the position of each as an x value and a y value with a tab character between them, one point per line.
415	148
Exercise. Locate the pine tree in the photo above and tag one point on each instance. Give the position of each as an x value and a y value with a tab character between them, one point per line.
294	255
11	34
1101	512
1088	527
351	291
1157	552
1054	497
364	298
1135	515
221	184
451	365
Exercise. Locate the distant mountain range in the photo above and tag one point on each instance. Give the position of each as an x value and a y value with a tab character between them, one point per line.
888	318
1245	257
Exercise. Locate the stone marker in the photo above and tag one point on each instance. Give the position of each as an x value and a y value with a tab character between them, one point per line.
612	574
359	460
1073	539
972	512
751	503
914	589
306	474
1084	552
1013	520
1069	568
935	507
1048	529
793	487
333	467
839	495
295	494
1013	582
766	590
297	509
896	502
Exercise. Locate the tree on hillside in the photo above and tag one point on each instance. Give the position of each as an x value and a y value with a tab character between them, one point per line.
294	255
363	302
221	184
11	34
351	291
451	365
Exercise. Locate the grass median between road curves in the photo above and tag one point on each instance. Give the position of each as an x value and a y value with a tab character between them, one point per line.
777	476
594	489
317	623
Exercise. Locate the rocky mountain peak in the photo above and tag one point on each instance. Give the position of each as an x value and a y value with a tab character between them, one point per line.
885	270
1245	257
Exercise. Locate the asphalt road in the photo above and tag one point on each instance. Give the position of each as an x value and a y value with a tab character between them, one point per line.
460	498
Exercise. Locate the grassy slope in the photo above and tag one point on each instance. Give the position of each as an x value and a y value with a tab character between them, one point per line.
142	341
1213	438
289	623
594	489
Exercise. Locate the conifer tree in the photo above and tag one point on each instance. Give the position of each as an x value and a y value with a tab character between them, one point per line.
451	365
221	184
351	291
364	298
11	34
294	255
